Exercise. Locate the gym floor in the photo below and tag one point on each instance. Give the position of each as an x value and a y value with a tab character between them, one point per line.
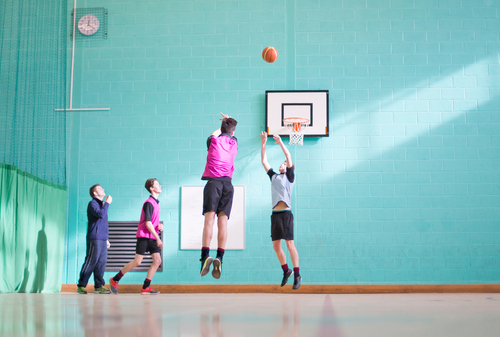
69	314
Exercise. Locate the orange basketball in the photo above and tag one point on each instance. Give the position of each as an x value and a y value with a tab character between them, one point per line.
270	54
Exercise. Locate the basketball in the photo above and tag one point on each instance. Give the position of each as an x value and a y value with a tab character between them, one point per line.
270	54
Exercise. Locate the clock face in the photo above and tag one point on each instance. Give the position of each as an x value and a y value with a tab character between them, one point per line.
88	24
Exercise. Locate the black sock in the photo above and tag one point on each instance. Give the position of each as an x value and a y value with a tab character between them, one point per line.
146	284
205	251
220	253
118	277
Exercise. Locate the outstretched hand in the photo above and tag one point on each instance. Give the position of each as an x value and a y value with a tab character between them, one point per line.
277	138
224	116
263	137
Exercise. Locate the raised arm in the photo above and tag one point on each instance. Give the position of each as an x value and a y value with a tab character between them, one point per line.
288	156
263	155
217	132
96	210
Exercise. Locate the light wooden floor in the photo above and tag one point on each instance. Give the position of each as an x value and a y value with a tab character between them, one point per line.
255	315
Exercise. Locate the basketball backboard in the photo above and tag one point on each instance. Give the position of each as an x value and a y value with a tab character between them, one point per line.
310	104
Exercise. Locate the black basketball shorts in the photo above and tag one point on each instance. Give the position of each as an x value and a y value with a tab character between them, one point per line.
145	245
218	197
282	225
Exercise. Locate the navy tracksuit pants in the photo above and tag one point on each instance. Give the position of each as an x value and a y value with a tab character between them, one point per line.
95	262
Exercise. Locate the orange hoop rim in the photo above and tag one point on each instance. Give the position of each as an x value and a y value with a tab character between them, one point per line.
295	123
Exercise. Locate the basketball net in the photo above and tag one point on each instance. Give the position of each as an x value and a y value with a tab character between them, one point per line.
296	125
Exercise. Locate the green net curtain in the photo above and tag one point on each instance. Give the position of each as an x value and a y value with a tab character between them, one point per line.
33	42
32	85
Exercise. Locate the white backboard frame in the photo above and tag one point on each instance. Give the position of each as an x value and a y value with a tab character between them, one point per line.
310	104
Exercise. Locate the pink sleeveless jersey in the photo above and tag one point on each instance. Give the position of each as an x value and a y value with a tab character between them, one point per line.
142	230
220	158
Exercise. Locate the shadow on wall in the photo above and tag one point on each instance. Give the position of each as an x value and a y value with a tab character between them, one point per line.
40	271
22	288
42	256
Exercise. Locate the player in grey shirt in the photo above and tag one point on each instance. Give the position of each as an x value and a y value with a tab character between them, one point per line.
282	217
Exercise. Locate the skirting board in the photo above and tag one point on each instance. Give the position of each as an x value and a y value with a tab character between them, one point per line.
305	289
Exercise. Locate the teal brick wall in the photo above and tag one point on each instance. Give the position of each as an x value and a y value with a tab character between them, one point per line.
404	191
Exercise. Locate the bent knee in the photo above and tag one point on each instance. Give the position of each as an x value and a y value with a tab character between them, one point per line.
156	258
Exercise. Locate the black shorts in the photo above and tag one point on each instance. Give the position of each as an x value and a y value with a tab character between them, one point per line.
145	245
282	225
218	197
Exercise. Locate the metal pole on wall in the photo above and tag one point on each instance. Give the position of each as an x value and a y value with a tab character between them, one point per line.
72	58
73	70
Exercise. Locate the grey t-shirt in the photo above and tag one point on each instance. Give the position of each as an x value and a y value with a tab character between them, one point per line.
282	185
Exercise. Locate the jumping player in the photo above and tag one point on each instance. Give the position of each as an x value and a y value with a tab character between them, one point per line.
148	239
282	217
218	193
97	242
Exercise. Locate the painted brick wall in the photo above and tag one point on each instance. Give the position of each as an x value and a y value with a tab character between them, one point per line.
405	189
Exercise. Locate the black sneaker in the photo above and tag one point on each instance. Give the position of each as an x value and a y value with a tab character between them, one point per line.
205	265
102	290
286	276
81	290
217	268
296	282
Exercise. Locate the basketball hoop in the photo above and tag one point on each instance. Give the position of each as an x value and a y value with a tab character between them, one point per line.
295	124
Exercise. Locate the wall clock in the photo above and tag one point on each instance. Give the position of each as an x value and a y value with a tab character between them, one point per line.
92	24
88	24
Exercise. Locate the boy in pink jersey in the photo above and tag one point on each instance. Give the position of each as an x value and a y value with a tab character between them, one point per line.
148	239
218	193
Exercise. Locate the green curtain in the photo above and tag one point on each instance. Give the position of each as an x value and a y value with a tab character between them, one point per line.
32	227
33	41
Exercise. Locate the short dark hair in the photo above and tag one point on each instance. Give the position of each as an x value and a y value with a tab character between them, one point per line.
92	190
150	183
228	125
